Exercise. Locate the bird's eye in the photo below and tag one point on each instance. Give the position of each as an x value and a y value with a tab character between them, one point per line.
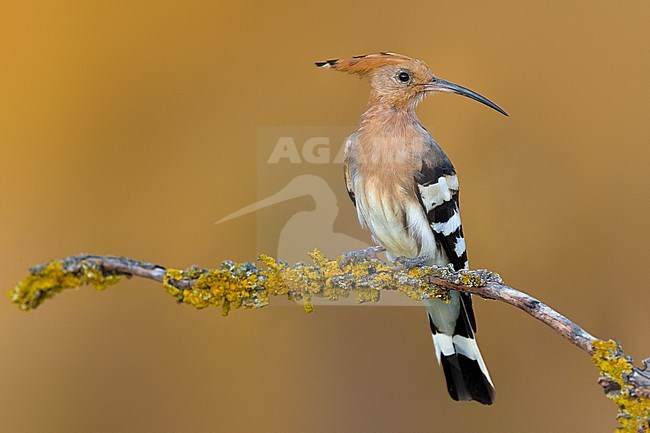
404	77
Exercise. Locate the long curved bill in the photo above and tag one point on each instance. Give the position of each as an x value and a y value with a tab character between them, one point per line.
447	86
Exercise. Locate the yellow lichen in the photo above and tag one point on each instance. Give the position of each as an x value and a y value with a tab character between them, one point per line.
172	274
51	279
302	282
307	305
634	411
232	286
413	283
470	280
272	276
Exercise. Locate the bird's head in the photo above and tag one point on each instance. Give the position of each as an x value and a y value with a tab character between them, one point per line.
398	80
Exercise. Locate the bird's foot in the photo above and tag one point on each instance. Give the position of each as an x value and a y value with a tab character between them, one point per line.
369	253
414	262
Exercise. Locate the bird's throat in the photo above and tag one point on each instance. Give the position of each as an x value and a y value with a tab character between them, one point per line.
389	138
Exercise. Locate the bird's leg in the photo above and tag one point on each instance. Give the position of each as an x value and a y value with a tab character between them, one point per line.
369	253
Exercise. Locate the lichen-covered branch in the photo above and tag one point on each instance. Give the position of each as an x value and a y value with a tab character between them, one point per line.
247	285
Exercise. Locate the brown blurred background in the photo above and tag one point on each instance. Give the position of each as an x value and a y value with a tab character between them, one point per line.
129	129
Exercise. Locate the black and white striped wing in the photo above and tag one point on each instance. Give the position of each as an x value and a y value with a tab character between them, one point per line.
438	193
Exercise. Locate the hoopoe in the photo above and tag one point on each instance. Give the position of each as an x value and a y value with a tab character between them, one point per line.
405	190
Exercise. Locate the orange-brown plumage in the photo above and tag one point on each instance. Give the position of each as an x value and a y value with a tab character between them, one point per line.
380	69
364	64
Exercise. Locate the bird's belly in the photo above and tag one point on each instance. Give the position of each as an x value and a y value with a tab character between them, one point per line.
392	235
398	223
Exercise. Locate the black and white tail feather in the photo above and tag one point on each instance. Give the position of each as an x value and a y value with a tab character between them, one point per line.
453	325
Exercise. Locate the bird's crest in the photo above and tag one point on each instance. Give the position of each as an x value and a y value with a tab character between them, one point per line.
362	65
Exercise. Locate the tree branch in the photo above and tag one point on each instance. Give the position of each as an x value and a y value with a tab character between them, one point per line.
245	285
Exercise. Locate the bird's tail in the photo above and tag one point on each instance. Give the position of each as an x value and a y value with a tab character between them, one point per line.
453	326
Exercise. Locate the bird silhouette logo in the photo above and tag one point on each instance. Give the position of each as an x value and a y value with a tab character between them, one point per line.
306	230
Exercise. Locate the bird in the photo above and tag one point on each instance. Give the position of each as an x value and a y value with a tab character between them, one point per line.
406	191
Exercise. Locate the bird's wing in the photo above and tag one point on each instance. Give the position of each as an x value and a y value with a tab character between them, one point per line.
348	184
349	165
438	194
437	189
